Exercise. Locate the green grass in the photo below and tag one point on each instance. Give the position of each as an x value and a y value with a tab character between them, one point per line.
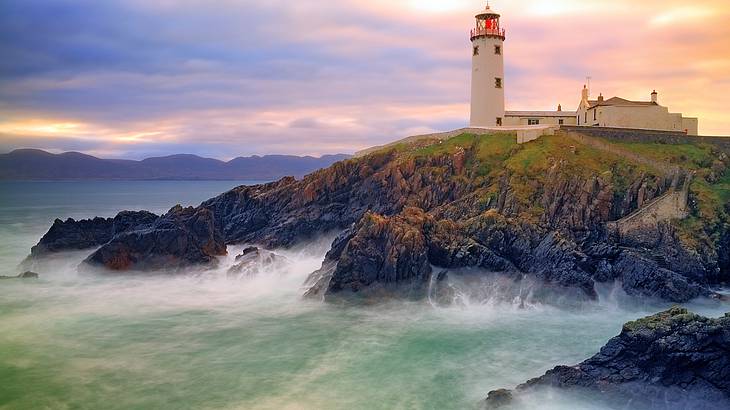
722	188
539	155
486	146
485	154
691	156
701	228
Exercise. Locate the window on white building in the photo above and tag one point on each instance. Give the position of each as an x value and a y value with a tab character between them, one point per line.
498	50
476	50
533	121
499	121
498	82
561	121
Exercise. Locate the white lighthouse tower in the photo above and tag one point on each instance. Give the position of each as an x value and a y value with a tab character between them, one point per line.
487	76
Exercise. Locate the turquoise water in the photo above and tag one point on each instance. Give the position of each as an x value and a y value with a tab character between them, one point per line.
202	340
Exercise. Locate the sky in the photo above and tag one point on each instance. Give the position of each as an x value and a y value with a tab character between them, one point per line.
226	78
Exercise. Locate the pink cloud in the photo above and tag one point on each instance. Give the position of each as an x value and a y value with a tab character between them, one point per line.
315	77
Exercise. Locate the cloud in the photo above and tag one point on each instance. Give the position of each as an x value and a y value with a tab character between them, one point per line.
312	77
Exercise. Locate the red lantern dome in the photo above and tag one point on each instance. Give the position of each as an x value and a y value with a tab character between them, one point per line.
487	25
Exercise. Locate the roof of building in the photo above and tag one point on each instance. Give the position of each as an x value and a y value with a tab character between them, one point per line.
620	102
487	12
540	113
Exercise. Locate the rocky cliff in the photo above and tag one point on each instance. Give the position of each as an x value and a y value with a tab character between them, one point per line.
180	238
538	210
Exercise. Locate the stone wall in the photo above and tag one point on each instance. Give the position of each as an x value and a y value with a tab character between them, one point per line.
639	135
642	224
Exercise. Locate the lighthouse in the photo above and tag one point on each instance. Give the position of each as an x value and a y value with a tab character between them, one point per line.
487	75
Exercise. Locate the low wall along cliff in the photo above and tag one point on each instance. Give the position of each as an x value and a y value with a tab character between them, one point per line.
640	135
672	205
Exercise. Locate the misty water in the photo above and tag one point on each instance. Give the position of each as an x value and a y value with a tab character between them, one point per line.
204	340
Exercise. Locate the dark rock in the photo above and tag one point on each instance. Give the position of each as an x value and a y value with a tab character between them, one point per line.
498	398
662	244
559	261
495	244
642	276
247	251
724	254
129	220
72	235
253	260
285	212
382	255
24	275
484	243
180	238
318	281
664	359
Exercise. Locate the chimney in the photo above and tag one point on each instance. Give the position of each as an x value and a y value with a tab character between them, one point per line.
560	108
600	98
654	96
585	93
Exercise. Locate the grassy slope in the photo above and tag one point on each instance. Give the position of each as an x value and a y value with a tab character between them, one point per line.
529	163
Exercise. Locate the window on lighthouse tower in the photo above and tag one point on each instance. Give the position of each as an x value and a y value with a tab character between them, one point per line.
476	50
498	50
498	82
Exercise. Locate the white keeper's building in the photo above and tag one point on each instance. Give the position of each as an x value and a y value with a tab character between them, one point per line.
488	84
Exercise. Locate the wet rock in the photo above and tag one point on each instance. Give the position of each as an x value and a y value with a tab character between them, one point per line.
253	260
363	258
642	276
251	250
180	238
667	360
724	254
288	211
559	261
382	256
72	235
479	243
498	398
317	283
24	275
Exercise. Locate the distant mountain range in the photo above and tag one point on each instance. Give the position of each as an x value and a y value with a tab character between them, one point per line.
33	164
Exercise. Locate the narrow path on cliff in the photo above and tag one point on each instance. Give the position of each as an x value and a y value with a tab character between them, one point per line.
604	145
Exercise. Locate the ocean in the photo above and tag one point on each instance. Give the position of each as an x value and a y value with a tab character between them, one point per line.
204	340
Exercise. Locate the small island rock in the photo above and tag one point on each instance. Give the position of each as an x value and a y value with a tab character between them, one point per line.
670	360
